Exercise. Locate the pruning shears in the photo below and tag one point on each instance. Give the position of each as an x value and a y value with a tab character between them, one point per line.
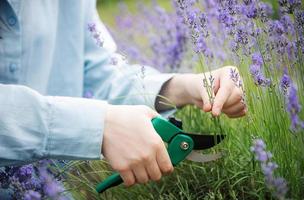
181	146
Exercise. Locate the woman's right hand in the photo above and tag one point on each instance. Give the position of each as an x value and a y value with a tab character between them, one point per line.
132	146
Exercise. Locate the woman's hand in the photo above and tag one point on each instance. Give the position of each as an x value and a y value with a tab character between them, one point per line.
132	146
185	89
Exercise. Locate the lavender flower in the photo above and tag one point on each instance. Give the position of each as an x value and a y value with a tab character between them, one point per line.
288	6
32	195
30	181
287	24
277	184
294	108
257	59
235	77
285	82
197	24
256	71
299	20
264	11
250	10
88	94
96	34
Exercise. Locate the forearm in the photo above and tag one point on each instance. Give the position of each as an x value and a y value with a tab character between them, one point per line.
174	92
36	126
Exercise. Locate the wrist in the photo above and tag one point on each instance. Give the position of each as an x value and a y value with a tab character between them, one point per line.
175	90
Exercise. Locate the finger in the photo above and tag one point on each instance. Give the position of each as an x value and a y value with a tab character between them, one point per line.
235	109
153	170
163	160
148	111
241	114
140	173
221	98
128	178
205	104
235	97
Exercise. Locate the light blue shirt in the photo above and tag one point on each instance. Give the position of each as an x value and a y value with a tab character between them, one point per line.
48	60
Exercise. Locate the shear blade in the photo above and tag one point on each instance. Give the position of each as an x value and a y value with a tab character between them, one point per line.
202	158
202	142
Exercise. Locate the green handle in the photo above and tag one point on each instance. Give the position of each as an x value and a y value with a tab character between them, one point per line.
165	129
111	181
178	148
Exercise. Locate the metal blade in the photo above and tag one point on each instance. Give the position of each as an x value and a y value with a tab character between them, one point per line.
202	158
205	141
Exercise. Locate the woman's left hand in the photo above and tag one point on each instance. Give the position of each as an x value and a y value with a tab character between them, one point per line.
225	90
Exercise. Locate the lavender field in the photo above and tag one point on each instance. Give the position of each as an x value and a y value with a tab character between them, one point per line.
263	151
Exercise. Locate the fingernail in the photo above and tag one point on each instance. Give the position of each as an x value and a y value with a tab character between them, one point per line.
216	113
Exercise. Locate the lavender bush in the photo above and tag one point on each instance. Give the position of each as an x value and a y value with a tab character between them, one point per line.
200	35
32	182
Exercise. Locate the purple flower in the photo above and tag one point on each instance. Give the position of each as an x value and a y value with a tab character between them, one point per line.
235	77
277	184
241	35
285	82
52	189
27	182
264	11
276	28
257	59
92	27
259	78
250	10
299	20
288	6
88	94
256	71
33	183
287	24
95	34
227	19
184	4
192	16
32	195
294	108
24	173
259	150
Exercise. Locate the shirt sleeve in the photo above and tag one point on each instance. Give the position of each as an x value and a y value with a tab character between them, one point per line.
109	76
34	127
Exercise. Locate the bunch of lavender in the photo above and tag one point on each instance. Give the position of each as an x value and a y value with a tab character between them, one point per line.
31	182
277	184
165	37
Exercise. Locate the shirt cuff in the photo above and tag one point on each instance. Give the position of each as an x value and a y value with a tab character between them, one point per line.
75	128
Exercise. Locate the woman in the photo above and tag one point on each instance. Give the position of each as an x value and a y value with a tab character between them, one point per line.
49	60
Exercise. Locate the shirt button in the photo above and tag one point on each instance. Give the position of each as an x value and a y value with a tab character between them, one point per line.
12	20
13	67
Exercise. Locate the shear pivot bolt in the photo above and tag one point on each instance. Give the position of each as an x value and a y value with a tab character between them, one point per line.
184	145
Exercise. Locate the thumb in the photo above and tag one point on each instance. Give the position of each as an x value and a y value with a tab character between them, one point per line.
220	99
206	104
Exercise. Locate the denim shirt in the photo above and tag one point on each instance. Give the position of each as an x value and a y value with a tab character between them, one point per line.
48	60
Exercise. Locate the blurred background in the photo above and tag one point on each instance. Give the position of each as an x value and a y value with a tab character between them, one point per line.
108	9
